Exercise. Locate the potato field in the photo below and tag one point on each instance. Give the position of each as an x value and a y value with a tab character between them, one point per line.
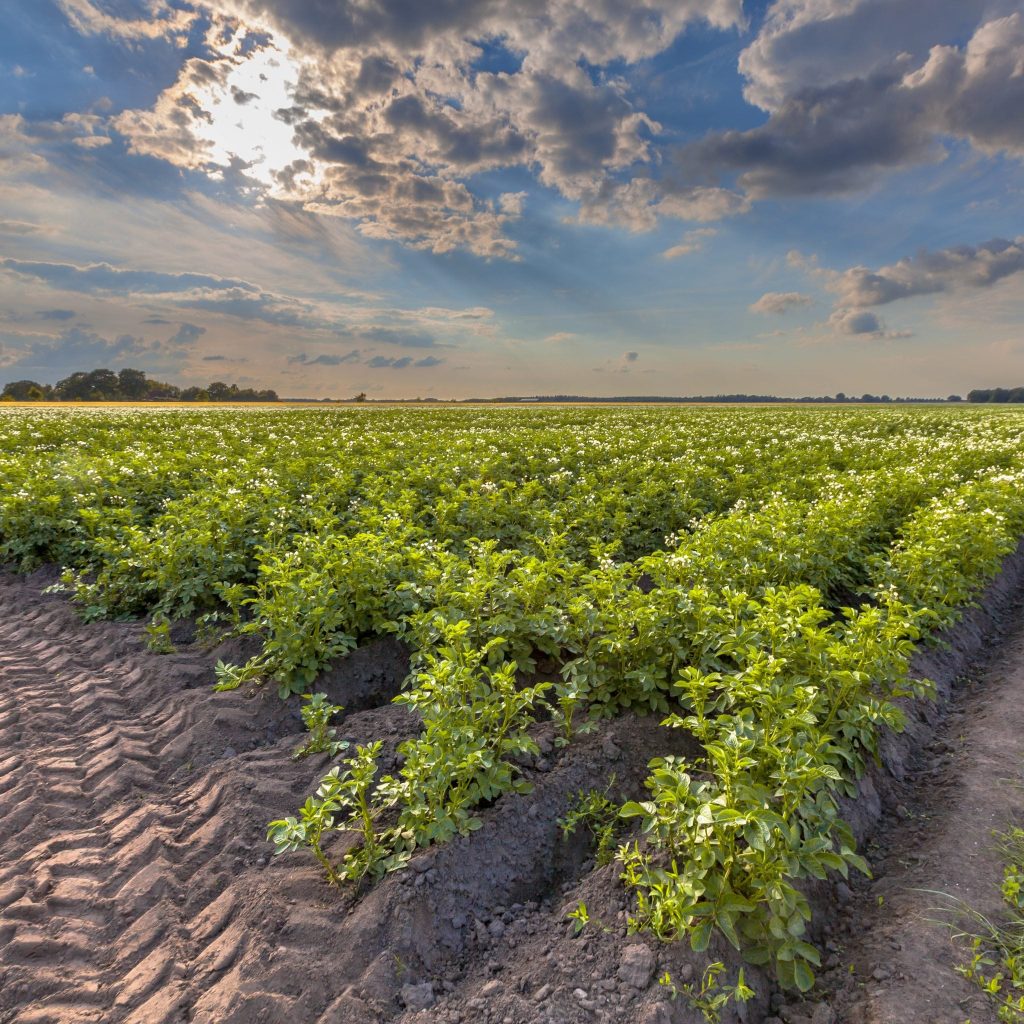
545	714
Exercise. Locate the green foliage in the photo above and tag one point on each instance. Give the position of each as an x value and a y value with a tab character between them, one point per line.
158	635
790	560
710	997
599	815
317	712
343	803
580	917
996	965
475	722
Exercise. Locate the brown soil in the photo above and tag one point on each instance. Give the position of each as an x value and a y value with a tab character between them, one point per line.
136	884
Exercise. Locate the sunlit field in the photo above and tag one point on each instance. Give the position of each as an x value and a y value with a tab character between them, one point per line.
757	578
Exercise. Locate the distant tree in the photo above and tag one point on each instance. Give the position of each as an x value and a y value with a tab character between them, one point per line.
840	397
132	384
361	397
218	391
1001	395
93	386
23	391
157	390
954	398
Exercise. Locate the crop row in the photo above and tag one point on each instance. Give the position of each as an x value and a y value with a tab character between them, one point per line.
758	577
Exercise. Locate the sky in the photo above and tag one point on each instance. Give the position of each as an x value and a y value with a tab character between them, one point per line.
464	198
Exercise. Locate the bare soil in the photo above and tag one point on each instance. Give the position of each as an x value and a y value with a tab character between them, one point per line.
136	884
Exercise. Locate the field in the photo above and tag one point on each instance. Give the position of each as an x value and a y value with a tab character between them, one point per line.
520	714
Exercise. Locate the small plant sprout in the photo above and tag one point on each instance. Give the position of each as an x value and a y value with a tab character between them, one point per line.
996	964
317	712
342	803
580	917
710	997
158	635
599	814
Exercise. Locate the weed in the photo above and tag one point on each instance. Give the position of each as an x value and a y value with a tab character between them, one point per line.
996	964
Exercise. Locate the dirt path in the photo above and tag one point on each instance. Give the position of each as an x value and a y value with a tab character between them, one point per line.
136	885
965	785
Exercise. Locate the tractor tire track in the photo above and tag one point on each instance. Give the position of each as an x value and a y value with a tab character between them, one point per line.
130	876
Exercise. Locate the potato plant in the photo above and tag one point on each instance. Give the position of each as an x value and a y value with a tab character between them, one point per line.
757	577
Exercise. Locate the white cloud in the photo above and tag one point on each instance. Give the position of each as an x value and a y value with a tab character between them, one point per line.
780	302
384	120
156	20
692	241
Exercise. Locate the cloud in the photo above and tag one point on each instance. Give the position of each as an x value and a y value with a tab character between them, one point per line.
862	323
379	114
624	364
187	334
561	337
56	314
22	227
402	362
852	321
855	89
928	273
156	20
104	278
693	241
326	359
215	358
397	336
378	362
546	31
52	356
780	302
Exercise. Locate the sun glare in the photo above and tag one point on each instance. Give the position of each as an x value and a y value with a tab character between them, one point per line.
241	115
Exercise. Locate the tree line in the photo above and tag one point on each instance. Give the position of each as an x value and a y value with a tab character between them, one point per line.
996	395
126	386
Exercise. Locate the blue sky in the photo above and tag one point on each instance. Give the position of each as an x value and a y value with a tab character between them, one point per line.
486	197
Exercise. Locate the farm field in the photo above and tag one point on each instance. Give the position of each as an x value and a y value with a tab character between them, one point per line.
603	689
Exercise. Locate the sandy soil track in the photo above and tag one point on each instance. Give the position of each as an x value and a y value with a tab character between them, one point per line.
136	885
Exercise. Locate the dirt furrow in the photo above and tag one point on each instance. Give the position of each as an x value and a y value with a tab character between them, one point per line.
136	884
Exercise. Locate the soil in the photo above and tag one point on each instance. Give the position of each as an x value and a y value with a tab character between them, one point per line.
136	884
